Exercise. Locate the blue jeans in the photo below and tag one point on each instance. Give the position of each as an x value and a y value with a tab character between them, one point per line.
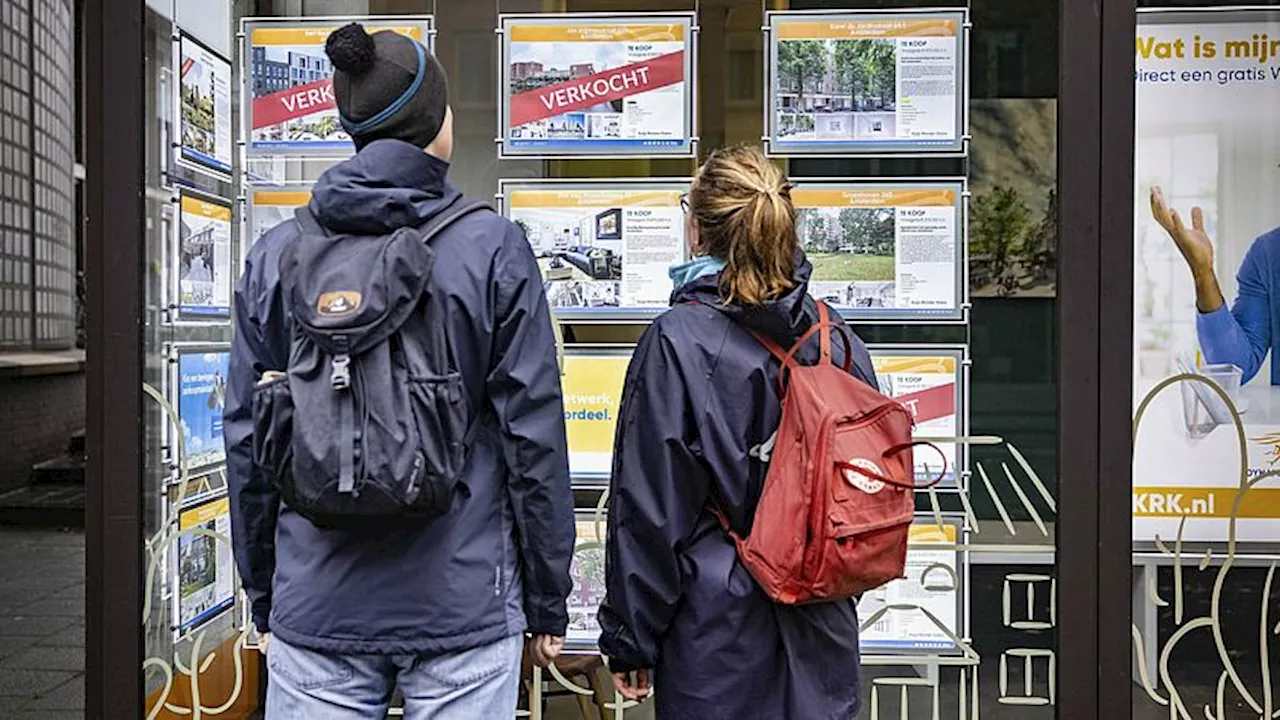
473	684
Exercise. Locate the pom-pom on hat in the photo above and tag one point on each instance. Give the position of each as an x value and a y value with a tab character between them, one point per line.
387	85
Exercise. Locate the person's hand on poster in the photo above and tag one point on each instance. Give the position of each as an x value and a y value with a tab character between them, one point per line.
1196	248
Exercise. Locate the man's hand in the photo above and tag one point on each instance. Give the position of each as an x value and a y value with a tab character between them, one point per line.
1196	248
544	649
264	641
635	689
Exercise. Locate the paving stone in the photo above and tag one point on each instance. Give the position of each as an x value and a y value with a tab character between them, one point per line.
46	658
53	606
12	645
33	625
31	683
67	696
72	636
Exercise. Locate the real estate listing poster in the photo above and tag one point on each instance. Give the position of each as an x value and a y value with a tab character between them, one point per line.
885	251
289	79
604	248
204	108
594	85
200	381
592	386
202	259
586	569
933	582
204	569
268	207
1207	105
867	83
928	382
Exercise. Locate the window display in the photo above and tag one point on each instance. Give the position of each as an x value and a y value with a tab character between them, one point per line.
597	85
271	206
289	83
605	246
867	82
204	572
202	257
886	250
929	382
199	383
204	106
920	612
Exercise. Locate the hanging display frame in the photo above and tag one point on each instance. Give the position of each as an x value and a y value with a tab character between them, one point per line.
196	527
189	157
304	96
181	313
957	477
596	262
955	144
591	467
214	458
512	147
916	191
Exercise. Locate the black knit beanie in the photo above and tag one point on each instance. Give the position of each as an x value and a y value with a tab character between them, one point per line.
387	85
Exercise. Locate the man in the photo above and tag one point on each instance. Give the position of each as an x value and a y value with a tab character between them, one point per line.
437	607
1243	334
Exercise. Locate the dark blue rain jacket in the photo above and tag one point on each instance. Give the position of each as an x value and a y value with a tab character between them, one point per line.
699	413
498	563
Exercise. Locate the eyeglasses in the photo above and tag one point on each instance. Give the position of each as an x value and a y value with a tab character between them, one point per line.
684	202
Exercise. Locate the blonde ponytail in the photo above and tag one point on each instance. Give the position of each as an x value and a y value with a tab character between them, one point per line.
742	204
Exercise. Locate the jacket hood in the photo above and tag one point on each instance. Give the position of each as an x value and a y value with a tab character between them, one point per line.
783	319
388	185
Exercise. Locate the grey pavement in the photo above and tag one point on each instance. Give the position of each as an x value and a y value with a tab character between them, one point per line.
41	624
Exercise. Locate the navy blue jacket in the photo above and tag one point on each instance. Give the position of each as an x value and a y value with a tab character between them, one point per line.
699	413
498	563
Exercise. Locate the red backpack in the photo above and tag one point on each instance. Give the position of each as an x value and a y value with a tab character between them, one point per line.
839	495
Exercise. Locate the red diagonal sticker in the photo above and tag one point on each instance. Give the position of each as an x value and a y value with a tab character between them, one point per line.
584	92
293	103
931	404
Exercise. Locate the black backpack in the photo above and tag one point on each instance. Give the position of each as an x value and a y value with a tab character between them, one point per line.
371	420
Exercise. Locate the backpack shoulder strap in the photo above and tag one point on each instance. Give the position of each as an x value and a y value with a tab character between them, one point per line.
308	222
460	208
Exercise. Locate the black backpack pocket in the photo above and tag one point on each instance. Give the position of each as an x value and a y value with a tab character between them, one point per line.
273	430
441	414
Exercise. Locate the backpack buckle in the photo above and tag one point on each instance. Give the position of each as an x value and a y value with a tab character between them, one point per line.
341	375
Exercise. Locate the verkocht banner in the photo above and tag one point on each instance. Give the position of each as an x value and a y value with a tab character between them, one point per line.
592	387
290	81
597	86
1208	105
884	250
605	247
928	386
867	82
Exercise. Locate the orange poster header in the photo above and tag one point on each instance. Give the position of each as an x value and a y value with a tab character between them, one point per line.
872	198
281	198
665	32
932	533
846	29
914	364
594	198
201	208
317	34
198	516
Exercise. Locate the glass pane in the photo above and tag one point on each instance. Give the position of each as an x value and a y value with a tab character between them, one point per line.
972	630
1204	540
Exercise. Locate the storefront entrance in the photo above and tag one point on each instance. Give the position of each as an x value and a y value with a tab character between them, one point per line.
956	167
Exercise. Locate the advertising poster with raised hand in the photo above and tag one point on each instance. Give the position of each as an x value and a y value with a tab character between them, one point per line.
204	106
203	257
205	571
867	83
590	85
604	248
290	108
927	381
201	375
885	250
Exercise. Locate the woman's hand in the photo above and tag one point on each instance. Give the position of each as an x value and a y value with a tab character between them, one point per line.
634	688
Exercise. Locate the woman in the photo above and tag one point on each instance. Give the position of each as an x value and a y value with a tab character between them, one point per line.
696	429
